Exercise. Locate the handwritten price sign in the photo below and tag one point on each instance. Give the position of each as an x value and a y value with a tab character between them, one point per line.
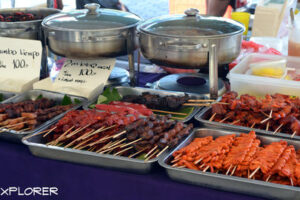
83	75
20	59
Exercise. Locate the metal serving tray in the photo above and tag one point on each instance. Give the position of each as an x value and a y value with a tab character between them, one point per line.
37	146
16	136
7	95
225	182
123	90
205	114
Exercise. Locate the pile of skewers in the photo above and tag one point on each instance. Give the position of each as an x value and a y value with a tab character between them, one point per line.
168	103
27	115
277	113
118	134
242	156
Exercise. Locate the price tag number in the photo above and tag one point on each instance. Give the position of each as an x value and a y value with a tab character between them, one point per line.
19	63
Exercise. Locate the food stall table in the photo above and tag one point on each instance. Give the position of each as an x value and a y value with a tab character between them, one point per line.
21	169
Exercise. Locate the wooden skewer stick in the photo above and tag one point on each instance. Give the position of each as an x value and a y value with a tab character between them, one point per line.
219	102
277	129
169	112
119	134
110	149
13	125
201	100
293	135
270	115
136	153
99	130
212	117
102	129
122	151
104	147
152	155
82	143
178	156
155	147
24	129
130	143
195	104
202	166
198	161
61	137
91	149
265	120
265	114
207	167
49	131
253	125
217	171
162	151
253	173
233	170
223	120
29	136
103	139
175	160
77	131
115	143
182	166
268	124
79	138
228	169
236	121
292	183
177	118
267	180
175	165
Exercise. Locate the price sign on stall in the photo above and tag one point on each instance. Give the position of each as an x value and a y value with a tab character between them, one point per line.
83	77
20	59
20	63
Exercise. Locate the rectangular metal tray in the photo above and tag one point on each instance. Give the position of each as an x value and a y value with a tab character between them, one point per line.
225	182
37	146
205	114
16	136
123	90
7	95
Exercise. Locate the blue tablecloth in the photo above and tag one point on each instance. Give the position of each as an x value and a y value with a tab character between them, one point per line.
21	169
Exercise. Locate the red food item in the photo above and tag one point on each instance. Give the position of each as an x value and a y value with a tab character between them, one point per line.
267	158
117	109
252	47
138	107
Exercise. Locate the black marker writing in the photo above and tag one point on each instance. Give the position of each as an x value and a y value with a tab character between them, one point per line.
2	65
19	63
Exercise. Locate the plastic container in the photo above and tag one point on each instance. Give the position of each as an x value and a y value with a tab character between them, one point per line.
294	38
273	69
259	86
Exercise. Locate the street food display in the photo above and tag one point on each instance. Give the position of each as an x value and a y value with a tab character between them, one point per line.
131	128
27	115
179	106
242	156
119	133
276	113
17	17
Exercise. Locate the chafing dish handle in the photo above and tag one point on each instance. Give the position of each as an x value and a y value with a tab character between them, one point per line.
92	8
213	71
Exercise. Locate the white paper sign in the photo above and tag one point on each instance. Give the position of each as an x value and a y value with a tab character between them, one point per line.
20	63
20	58
82	77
